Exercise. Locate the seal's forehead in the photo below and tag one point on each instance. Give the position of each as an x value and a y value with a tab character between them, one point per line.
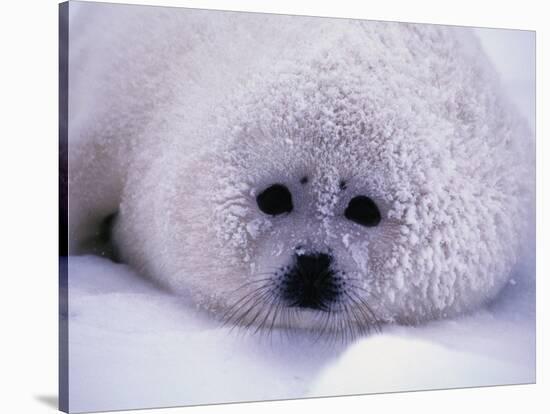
356	111
333	114
358	91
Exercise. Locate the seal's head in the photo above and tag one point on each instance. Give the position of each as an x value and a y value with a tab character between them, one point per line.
351	187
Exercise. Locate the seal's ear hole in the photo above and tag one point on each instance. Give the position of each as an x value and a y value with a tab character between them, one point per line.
362	210
274	200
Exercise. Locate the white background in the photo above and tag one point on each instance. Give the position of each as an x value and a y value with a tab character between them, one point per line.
28	203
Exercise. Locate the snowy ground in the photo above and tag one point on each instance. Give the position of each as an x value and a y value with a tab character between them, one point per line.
133	345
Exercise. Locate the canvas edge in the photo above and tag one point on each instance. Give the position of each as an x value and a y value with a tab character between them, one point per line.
63	367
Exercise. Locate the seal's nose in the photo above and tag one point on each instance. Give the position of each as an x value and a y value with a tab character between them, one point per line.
310	283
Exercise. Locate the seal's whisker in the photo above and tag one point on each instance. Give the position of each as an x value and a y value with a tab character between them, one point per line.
270	309
243	302
358	325
247	295
366	309
370	311
244	285
251	308
326	322
277	310
365	321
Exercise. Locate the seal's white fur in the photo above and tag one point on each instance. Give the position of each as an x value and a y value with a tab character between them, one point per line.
178	118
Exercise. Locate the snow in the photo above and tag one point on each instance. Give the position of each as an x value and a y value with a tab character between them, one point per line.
133	344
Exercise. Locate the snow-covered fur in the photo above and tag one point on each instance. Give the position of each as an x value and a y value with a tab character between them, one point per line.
180	118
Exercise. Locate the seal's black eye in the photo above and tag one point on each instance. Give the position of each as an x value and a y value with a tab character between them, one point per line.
362	210
275	199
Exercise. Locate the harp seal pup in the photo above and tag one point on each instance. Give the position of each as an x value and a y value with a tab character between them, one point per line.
326	174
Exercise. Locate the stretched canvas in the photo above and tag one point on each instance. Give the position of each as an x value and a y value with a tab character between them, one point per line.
260	207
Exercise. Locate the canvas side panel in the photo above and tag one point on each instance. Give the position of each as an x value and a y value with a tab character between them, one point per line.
63	206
